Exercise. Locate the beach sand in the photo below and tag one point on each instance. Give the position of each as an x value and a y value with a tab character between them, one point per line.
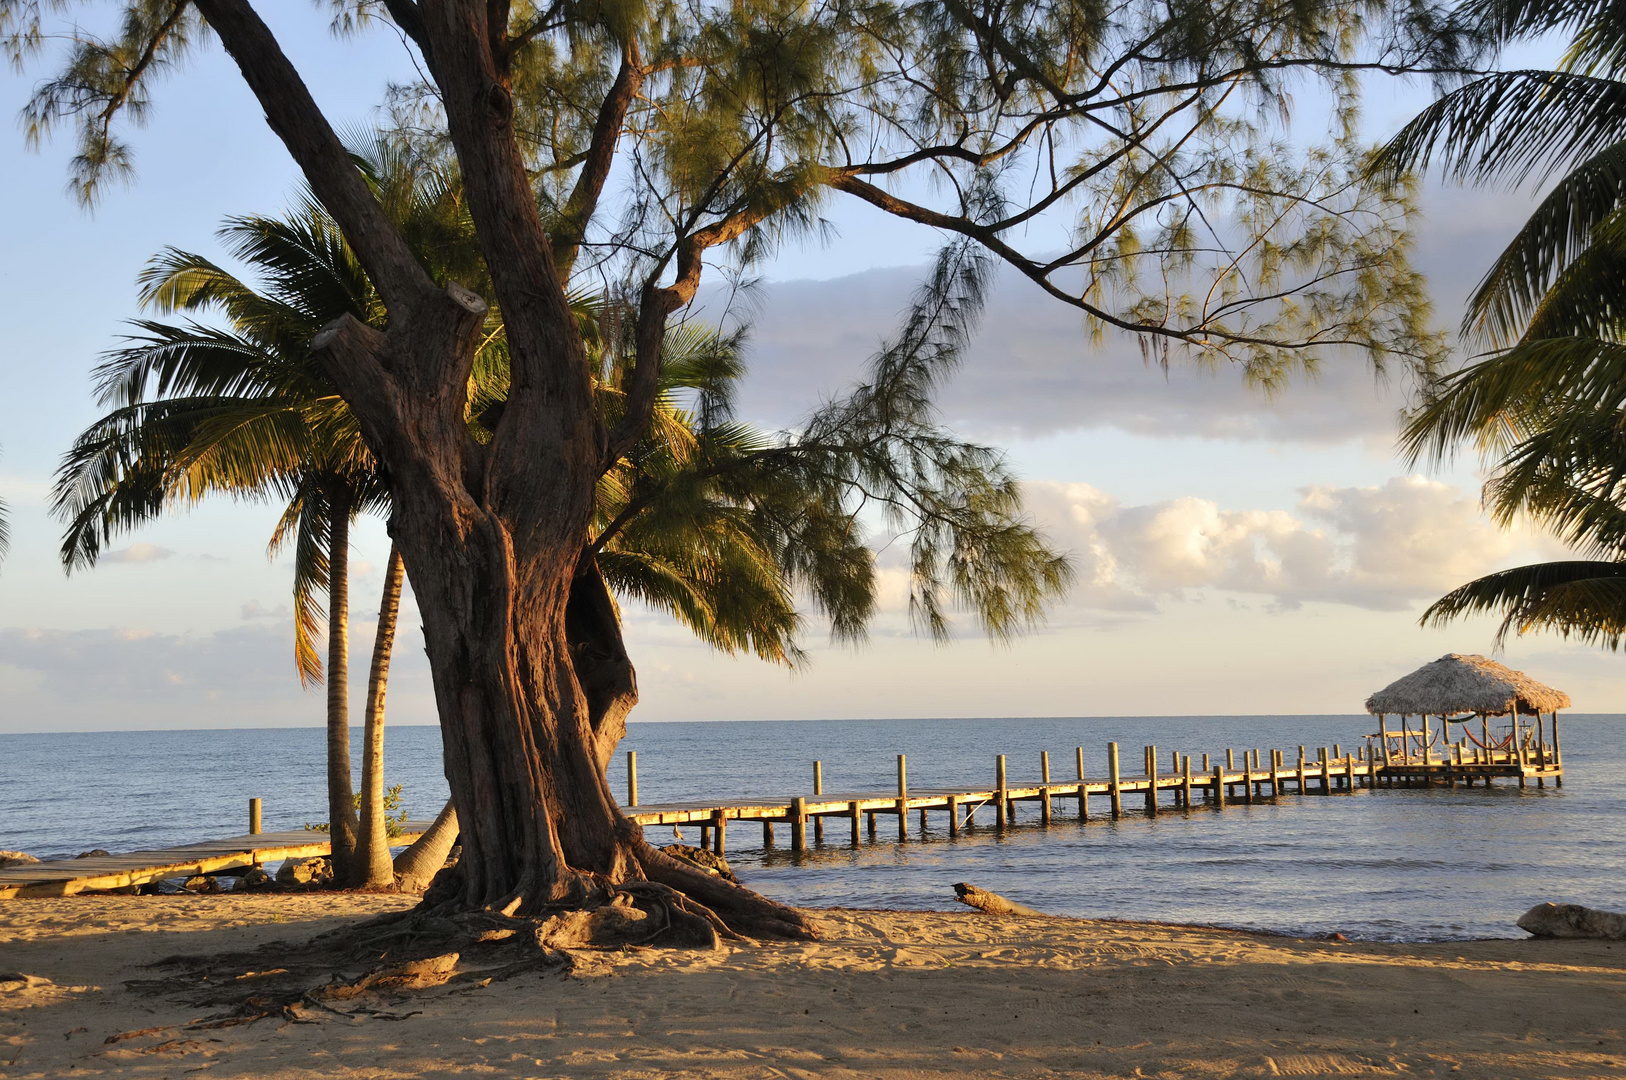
883	994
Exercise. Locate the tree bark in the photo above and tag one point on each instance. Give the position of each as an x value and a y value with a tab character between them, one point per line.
373	867
531	694
341	797
417	866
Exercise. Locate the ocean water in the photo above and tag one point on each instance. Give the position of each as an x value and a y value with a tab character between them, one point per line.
1413	864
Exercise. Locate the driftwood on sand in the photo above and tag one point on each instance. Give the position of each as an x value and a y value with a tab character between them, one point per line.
1573	921
992	903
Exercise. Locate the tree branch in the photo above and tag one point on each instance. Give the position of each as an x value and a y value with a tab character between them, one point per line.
293	114
596	164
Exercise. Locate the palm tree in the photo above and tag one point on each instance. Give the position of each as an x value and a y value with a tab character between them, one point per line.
1546	403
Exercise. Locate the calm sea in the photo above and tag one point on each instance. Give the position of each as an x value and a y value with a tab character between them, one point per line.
1406	864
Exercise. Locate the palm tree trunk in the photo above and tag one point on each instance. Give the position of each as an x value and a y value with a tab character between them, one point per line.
373	868
340	794
416	867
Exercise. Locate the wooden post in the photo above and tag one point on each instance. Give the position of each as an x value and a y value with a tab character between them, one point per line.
1151	780
705	837
818	789
1230	763
718	824
903	798
1083	791
1301	770
1247	777
767	833
798	824
852	812
1349	774
254	817
1326	774
1558	755
870	814
1219	788
1541	743
1185	787
632	778
1044	789
954	816
1115	787
999	790
1337	752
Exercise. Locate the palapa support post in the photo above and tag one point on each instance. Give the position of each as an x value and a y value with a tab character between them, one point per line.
1115	789
1151	780
903	798
854	814
1083	789
1044	789
798	824
954	816
818	789
1219	788
1000	809
1558	755
632	778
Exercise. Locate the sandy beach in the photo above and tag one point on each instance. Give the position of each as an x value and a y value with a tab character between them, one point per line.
883	994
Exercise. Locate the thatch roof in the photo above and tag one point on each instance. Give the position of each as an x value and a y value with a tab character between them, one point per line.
1456	683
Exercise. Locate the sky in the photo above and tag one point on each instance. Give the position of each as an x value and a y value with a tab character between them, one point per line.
1234	554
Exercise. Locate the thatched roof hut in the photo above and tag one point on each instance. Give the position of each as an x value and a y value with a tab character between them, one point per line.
1457	683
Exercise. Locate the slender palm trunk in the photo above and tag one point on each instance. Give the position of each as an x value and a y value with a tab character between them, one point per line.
373	867
340	794
417	866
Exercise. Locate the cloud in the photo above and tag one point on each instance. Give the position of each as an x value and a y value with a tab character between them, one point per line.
125	665
138	553
255	610
1032	369
1383	548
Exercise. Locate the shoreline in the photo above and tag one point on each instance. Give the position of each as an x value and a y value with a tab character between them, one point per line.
883	994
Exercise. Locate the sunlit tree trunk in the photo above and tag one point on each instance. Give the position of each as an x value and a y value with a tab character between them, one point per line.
373	867
341	796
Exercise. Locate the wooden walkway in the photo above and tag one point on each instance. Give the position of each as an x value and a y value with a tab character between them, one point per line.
64	877
1182	782
1179	783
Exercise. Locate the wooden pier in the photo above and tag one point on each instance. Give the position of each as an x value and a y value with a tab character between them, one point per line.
1178	782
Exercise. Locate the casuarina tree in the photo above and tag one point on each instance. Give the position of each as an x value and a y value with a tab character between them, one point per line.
1124	159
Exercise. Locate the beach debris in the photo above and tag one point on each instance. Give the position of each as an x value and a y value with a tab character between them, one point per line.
94	853
13	981
255	880
1573	921
305	871
992	903
16	858
709	861
201	883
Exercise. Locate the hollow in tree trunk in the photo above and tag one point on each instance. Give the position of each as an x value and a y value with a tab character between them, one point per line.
373	867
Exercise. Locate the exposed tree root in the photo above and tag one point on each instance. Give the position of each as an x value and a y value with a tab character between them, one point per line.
360	970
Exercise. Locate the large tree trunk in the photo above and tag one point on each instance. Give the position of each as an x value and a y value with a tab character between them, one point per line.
341	796
373	867
492	534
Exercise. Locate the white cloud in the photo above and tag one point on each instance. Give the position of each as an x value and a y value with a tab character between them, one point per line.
138	553
1384	548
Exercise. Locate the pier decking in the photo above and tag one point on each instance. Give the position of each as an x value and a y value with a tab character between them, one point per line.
1177	782
1183	782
